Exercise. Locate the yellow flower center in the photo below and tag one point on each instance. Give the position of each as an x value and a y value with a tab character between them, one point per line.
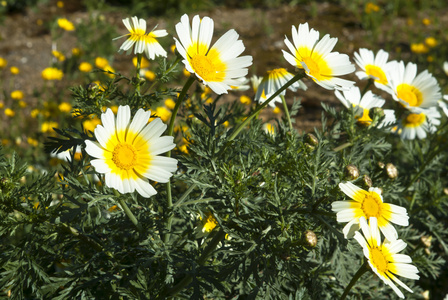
137	34
414	120
210	223
410	94
370	203
124	156
209	67
280	72
378	259
318	67
376	73
365	118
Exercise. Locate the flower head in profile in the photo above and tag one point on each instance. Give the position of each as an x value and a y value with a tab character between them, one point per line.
144	42
219	66
410	89
127	152
384	258
374	67
272	82
362	105
368	204
315	56
417	123
208	223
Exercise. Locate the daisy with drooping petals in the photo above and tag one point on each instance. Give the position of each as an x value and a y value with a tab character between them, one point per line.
368	204
272	82
410	89
384	258
352	98
144	42
316	58
372	66
218	66
417	122
127	152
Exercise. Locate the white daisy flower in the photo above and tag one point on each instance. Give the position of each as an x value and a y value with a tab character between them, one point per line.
352	98
218	66
316	58
127	152
67	154
410	89
384	258
368	204
443	105
372	66
418	122
272	82
445	68
144	42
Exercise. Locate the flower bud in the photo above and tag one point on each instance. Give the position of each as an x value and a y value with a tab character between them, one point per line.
376	114
311	238
391	171
445	191
426	240
381	165
311	139
351	171
367	181
92	86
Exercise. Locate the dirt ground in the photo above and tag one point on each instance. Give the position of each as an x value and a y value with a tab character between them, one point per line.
28	46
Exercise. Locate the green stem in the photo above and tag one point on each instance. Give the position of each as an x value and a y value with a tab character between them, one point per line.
164	73
137	75
364	268
297	77
366	88
169	197
129	213
286	111
207	251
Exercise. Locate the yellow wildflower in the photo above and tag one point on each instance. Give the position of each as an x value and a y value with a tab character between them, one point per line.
163	113
277	110
47	127
430	42
17	95
173	48
2	104
76	51
14	70
39	22
66	24
109	69
150	75
22	104
209	223
426	22
245	100
101	62
65	107
143	64
60	4
59	56
419	48
9	112
3	63
169	103
90	125
34	113
52	74
32	142
85	67
371	7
